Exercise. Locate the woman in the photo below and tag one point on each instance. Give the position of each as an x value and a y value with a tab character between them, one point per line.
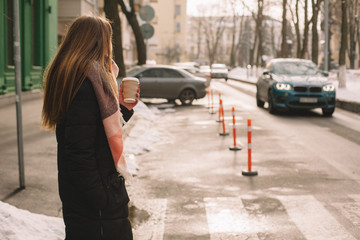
81	101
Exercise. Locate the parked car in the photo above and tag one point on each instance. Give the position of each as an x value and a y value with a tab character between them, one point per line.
219	70
295	84
192	68
169	82
205	69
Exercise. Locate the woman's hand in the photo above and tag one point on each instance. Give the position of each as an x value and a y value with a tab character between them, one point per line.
129	106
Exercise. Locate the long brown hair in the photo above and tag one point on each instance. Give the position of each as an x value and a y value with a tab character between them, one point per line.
87	40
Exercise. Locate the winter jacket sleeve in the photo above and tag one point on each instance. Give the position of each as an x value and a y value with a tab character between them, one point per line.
80	139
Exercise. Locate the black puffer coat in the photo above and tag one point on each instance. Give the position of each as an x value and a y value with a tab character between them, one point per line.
94	198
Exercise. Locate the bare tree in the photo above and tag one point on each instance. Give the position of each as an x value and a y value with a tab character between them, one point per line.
315	35
284	31
233	4
306	31
214	30
256	49
133	22
112	13
243	42
357	21
343	47
214	27
296	21
353	24
198	31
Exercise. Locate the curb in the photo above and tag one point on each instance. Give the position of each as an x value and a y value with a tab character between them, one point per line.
349	106
340	103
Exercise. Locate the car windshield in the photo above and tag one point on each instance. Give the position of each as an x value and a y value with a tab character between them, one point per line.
204	67
132	71
295	68
218	66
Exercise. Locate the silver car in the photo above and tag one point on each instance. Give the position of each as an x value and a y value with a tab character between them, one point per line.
169	82
219	70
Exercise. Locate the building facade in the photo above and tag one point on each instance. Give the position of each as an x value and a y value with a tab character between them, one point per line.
71	9
168	44
38	42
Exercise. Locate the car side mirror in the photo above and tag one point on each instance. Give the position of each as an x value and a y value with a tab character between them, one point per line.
325	74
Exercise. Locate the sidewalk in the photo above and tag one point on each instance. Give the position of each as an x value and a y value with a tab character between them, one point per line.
346	98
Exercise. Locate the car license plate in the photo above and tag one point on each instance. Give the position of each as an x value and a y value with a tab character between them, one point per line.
308	100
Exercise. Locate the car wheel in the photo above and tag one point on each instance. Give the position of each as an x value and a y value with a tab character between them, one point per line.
187	96
328	112
271	107
259	103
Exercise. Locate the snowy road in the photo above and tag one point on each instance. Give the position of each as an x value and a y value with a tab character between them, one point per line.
307	187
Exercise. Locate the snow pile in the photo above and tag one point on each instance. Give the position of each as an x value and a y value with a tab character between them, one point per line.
352	91
244	74
142	135
18	224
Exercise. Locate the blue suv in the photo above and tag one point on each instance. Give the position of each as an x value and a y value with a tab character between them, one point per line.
289	83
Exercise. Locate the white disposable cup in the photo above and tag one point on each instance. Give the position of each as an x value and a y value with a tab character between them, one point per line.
130	87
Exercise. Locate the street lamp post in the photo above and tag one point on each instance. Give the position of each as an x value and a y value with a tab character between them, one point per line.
17	62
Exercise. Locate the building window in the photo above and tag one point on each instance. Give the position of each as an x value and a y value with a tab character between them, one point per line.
177	10
10	33
178	27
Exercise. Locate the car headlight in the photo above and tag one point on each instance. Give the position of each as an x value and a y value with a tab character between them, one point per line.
283	86
329	88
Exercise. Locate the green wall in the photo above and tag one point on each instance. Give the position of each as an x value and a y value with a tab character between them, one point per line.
38	39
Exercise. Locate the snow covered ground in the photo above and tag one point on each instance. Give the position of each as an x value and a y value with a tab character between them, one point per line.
18	224
350	94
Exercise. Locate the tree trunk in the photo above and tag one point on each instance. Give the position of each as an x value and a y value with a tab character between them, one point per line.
255	49
306	31
283	32
199	38
352	10
111	12
233	50
342	54
240	43
233	45
133	22
297	29
315	35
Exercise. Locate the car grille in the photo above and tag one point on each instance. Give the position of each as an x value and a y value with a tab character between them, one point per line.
300	89
306	89
315	89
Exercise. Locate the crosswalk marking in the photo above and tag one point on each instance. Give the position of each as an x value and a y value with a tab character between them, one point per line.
300	217
313	220
351	210
249	217
228	215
